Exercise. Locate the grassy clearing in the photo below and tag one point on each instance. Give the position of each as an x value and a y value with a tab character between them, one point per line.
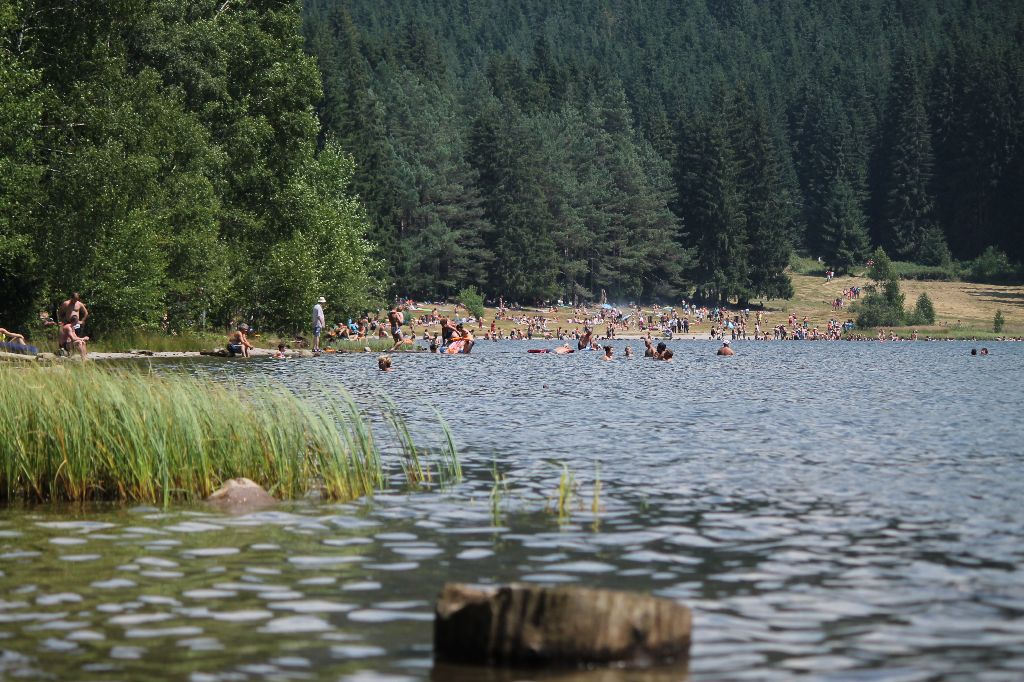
963	309
81	433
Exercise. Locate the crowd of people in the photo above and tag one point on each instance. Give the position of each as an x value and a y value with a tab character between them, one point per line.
458	332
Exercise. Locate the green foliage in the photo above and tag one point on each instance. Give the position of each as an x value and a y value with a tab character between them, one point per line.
881	269
522	146
877	310
177	164
937	273
844	236
910	227
883	304
998	322
90	433
924	311
993	266
473	301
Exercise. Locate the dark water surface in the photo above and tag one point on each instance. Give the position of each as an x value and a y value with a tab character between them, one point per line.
839	511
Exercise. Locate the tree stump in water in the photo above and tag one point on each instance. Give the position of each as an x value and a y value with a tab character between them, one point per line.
532	625
240	495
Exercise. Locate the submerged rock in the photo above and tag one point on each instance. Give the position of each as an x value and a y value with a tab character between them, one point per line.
239	495
533	625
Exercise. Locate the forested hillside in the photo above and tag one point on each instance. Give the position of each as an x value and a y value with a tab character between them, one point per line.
162	157
648	148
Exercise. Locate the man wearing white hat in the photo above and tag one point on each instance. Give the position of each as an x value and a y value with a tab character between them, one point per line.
318	322
725	350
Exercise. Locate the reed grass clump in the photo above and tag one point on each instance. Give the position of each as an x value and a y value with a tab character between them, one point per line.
85	432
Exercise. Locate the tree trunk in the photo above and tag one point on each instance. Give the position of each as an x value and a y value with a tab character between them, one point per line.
532	625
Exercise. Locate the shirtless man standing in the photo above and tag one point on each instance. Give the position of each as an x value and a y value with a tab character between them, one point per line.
396	318
725	350
585	339
73	306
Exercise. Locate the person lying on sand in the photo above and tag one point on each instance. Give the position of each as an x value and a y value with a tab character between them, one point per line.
12	337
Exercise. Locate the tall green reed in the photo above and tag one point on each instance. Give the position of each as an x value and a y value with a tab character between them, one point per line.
85	432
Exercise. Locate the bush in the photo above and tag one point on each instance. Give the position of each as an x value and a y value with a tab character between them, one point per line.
881	269
948	272
998	322
473	301
924	311
992	266
875	310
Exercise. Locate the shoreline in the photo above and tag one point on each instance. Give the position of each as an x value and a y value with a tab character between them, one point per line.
141	354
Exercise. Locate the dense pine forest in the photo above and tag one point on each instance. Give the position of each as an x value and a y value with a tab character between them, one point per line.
192	162
656	148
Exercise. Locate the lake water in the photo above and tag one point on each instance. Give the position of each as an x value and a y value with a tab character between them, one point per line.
851	511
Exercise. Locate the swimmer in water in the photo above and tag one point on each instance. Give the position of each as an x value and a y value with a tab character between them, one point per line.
280	354
648	349
725	350
667	355
984	351
384	363
628	352
607	353
660	352
564	349
585	339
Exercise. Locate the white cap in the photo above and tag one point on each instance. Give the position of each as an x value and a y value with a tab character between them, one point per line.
725	343
321	300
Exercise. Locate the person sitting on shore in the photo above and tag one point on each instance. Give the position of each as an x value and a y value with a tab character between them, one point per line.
607	353
238	341
725	349
69	338
384	363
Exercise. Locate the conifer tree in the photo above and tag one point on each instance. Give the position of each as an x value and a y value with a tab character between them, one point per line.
910	227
